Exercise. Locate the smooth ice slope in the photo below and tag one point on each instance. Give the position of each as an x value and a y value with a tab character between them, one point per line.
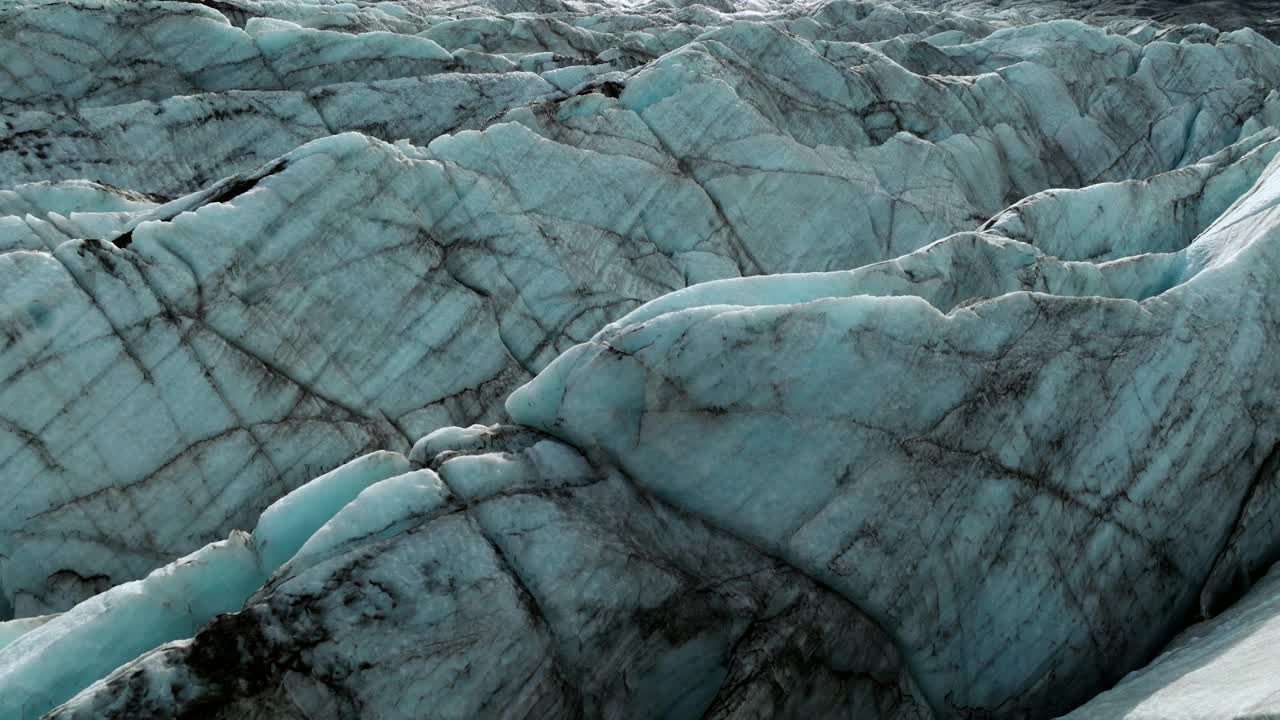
11	630
290	522
383	509
46	665
715	532
53	662
1223	669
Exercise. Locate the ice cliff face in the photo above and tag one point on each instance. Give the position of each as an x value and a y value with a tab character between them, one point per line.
534	585
855	359
239	330
1083	497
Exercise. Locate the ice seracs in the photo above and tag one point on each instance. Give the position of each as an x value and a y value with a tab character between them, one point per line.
663	537
881	361
352	294
513	573
1119	444
254	92
51	659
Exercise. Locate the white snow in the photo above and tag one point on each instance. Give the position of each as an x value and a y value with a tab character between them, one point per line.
1222	669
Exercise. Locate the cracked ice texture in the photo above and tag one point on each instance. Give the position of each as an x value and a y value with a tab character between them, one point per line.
727	531
353	295
1074	446
513	576
166	97
259	331
50	662
1068	456
1131	15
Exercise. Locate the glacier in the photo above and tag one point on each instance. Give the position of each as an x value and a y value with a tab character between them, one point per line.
630	359
50	662
525	579
715	159
1102	419
1221	668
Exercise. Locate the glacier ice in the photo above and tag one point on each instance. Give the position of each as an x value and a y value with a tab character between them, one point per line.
1221	669
247	308
289	523
52	661
384	509
1114	432
715	543
11	630
547	588
727	359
